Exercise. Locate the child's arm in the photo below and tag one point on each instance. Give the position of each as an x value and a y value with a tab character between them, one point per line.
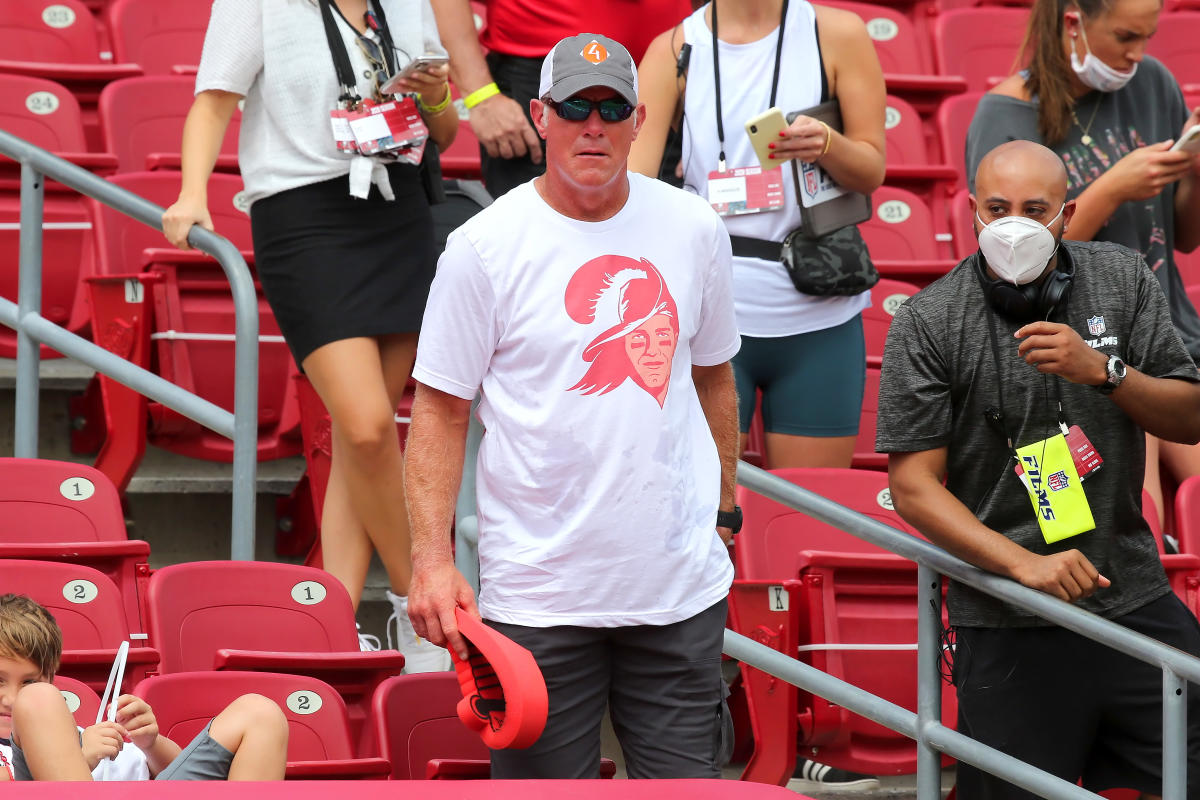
138	720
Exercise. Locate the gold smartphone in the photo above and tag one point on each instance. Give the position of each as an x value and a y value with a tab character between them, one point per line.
764	129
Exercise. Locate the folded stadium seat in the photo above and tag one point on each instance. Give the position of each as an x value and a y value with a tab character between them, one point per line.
979	44
461	160
953	120
59	511
842	605
88	607
158	35
909	165
962	224
58	41
319	744
1182	568
82	701
188	313
886	297
1187	515
269	617
45	114
902	238
907	67
865	456
141	120
1174	44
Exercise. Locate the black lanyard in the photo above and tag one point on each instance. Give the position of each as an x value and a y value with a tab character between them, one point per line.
377	21
716	47
995	416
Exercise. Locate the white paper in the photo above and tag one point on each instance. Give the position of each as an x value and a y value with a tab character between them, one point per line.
727	190
370	129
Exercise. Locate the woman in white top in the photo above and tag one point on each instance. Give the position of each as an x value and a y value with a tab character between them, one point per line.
343	242
804	353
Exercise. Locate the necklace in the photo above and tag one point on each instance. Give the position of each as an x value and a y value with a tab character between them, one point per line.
1086	138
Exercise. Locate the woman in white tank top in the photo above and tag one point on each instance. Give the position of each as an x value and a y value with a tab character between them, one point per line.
804	353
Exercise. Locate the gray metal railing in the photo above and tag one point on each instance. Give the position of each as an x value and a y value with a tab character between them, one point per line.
25	316
925	726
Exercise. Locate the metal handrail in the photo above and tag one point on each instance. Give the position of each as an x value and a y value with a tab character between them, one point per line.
933	738
33	329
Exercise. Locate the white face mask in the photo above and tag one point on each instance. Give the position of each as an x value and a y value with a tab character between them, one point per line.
1017	248
1094	73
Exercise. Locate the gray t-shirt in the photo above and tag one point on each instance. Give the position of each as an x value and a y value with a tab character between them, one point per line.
939	378
1148	109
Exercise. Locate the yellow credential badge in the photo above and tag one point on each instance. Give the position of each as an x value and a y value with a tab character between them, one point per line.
1050	477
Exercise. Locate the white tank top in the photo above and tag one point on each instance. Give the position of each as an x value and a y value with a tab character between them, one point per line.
767	303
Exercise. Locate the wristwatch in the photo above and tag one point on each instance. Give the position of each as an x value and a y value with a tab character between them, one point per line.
730	519
1116	374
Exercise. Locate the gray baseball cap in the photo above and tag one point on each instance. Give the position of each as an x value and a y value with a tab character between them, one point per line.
586	60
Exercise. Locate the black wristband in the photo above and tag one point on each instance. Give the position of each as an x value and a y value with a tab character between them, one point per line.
730	519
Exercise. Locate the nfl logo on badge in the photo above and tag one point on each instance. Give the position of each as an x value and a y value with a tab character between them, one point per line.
810	180
1058	481
1096	325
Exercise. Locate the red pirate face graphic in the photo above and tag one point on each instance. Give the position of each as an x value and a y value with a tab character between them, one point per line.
628	301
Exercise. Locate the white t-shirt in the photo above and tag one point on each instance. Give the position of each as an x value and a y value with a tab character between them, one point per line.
598	479
275	53
768	305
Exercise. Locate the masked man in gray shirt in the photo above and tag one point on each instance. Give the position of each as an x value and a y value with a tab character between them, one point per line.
1026	378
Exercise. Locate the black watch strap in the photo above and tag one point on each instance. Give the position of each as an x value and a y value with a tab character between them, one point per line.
730	519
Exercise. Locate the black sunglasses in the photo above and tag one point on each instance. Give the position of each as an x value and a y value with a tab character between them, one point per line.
578	109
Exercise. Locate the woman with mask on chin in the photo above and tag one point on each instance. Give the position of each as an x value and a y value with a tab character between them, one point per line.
1111	112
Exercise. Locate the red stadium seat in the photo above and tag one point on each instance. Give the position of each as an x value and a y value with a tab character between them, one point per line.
846	607
979	44
886	297
1174	44
907	68
416	722
158	35
1187	515
865	456
82	701
188	311
461	160
88	608
902	238
962	224
47	115
953	120
58	41
909	165
141	120
1188	265
252	615
319	744
59	511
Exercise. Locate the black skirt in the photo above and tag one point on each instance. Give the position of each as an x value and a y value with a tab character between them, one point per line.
335	267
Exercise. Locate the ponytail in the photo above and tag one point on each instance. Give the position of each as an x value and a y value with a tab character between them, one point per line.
1049	65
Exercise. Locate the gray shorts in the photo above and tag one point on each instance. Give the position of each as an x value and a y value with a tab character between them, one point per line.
202	760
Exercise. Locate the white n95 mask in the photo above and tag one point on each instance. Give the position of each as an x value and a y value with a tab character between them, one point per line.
1017	248
1094	73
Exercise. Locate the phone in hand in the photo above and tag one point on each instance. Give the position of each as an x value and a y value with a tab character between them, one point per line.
764	129
1189	142
420	63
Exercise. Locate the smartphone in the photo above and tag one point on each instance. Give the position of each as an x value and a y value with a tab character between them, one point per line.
764	129
1190	141
423	62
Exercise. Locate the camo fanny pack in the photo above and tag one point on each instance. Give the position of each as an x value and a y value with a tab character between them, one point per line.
836	264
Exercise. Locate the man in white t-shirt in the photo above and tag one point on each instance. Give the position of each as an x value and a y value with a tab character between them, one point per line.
591	309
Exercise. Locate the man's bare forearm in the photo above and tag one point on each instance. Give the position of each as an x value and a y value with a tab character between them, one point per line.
718	397
433	471
456	25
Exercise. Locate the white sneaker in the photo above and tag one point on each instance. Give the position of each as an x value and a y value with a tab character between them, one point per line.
420	655
367	642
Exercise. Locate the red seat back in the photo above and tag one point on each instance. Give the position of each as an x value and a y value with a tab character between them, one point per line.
140	116
896	41
1187	515
317	727
158	34
81	700
1175	44
85	602
979	44
962	224
416	720
901	227
953	120
886	297
200	607
57	501
905	134
62	32
42	112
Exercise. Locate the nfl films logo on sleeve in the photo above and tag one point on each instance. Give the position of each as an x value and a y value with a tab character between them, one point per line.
1096	325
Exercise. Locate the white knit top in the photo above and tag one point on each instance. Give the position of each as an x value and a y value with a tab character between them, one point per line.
274	52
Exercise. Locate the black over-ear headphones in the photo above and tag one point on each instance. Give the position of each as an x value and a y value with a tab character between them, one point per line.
1031	301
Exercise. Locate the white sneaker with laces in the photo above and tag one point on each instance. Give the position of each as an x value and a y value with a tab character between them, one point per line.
420	655
367	642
